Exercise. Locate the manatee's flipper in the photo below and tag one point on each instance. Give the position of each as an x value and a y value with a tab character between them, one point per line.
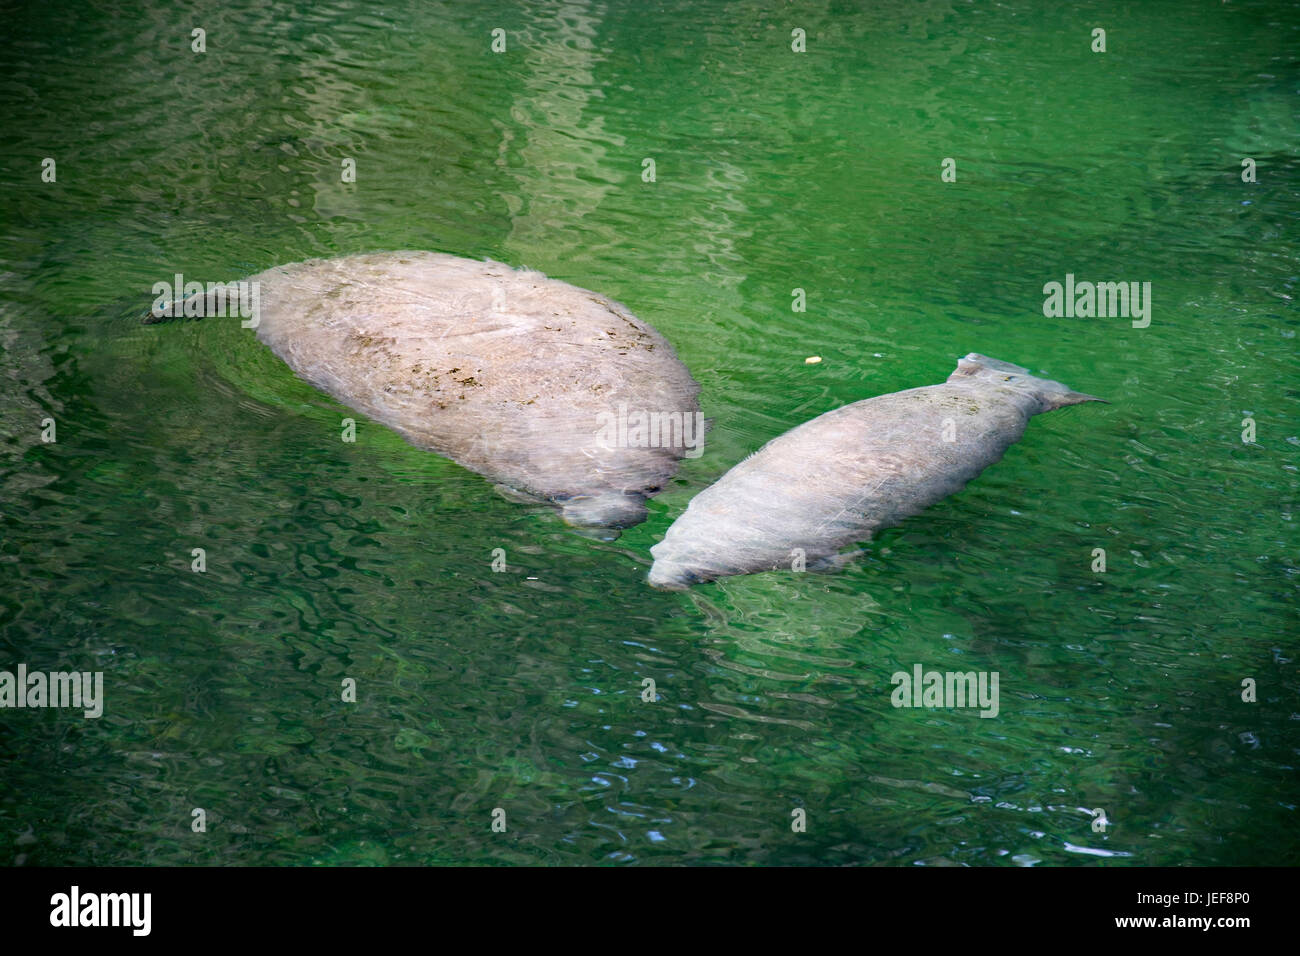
517	496
836	562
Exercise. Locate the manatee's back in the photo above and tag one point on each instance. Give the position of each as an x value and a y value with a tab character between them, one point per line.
503	370
836	479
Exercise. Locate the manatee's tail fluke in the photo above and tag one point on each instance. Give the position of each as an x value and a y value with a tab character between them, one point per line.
223	299
152	317
1077	398
1054	395
168	310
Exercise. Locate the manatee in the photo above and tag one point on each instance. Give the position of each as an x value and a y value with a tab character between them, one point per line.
518	377
832	481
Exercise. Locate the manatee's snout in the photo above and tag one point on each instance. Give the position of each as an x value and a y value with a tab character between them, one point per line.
670	576
613	510
676	568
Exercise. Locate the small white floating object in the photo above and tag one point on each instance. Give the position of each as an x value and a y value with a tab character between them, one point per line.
812	360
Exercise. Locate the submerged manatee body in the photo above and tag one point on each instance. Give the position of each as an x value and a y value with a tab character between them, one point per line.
834	480
511	374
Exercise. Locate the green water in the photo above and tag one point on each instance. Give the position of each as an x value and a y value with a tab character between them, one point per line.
774	171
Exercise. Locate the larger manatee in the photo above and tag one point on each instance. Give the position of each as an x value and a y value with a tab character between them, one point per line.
516	376
834	480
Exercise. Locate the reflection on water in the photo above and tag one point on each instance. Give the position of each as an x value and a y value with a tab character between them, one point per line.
562	168
525	689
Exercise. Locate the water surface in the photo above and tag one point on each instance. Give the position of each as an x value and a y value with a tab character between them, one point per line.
774	171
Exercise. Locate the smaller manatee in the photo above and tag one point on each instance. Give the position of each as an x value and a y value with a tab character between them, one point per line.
834	480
